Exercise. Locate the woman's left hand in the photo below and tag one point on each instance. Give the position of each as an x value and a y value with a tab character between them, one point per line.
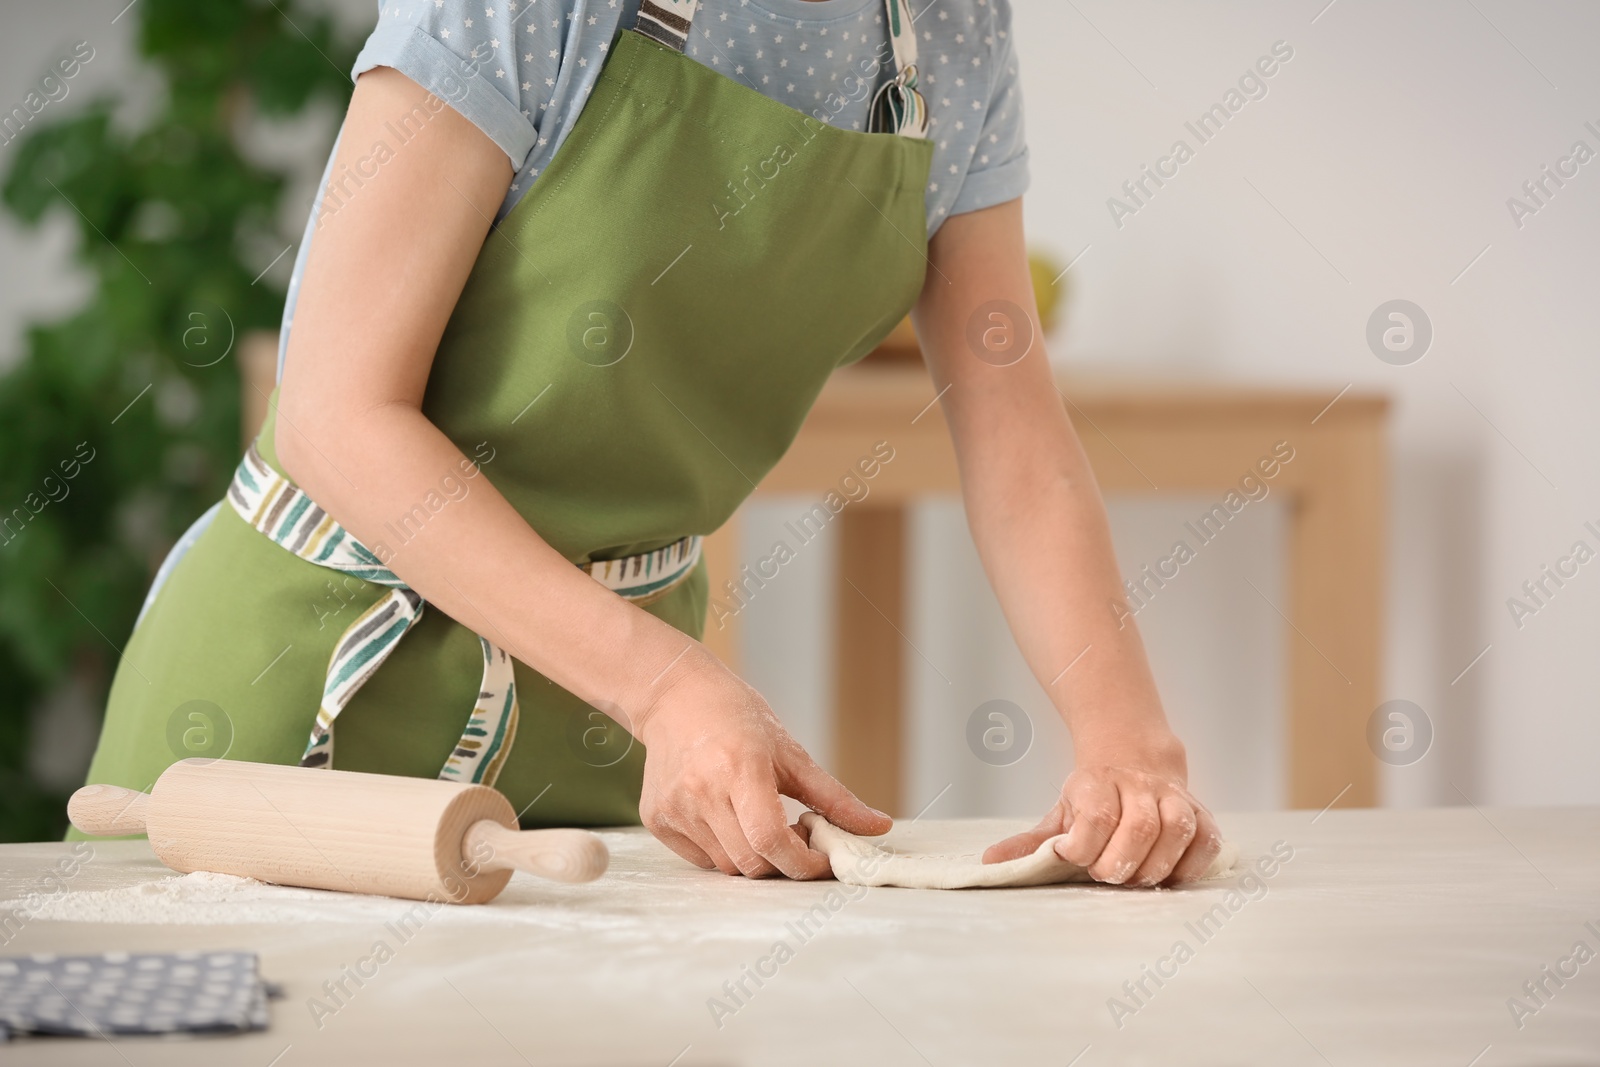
1127	815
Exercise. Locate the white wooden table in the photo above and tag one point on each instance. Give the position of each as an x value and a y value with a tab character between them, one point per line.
1389	938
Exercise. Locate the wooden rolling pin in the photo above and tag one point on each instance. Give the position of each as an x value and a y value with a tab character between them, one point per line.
418	838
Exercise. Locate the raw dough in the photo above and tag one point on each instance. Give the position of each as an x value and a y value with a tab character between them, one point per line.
858	861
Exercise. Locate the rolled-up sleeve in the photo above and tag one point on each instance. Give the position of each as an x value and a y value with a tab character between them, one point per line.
466	54
999	168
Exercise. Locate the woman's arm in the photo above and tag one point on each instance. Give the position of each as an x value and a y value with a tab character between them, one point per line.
1040	526
380	283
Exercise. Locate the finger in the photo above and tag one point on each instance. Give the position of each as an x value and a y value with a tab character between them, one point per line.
705	839
801	778
1178	825
1094	809
765	826
1026	843
671	827
730	835
684	847
1202	850
1137	830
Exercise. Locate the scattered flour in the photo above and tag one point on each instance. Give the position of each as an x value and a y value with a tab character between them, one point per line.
197	898
647	894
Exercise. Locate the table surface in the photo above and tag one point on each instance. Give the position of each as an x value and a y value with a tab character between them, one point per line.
1388	937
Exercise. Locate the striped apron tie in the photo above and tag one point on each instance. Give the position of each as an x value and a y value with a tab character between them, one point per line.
898	107
279	509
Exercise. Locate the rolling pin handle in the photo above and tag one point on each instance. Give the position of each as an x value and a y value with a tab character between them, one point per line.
560	855
108	810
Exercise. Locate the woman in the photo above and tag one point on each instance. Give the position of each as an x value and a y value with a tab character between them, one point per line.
611	252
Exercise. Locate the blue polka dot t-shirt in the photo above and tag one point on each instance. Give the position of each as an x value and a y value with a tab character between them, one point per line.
521	70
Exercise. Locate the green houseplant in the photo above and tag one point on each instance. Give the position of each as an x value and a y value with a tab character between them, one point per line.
119	423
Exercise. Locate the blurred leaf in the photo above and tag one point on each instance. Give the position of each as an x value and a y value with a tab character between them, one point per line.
160	212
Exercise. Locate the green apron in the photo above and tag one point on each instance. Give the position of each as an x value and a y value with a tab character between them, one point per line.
635	348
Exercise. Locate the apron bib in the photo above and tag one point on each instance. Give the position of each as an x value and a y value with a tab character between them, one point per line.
636	346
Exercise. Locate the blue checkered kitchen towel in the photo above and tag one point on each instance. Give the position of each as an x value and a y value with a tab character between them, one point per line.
133	993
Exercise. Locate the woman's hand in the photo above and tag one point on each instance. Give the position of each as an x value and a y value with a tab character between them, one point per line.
716	760
1128	816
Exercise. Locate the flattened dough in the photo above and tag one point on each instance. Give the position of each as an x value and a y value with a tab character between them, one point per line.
859	861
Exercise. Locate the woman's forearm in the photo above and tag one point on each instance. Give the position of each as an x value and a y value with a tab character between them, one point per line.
1031	499
1125	812
1040	526
478	560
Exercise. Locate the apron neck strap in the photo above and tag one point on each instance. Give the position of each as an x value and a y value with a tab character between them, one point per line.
902	33
667	21
896	108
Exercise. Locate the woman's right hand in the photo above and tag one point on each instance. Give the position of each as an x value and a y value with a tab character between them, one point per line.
716	760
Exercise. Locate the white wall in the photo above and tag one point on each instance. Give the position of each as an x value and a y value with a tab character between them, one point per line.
1381	160
1391	142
